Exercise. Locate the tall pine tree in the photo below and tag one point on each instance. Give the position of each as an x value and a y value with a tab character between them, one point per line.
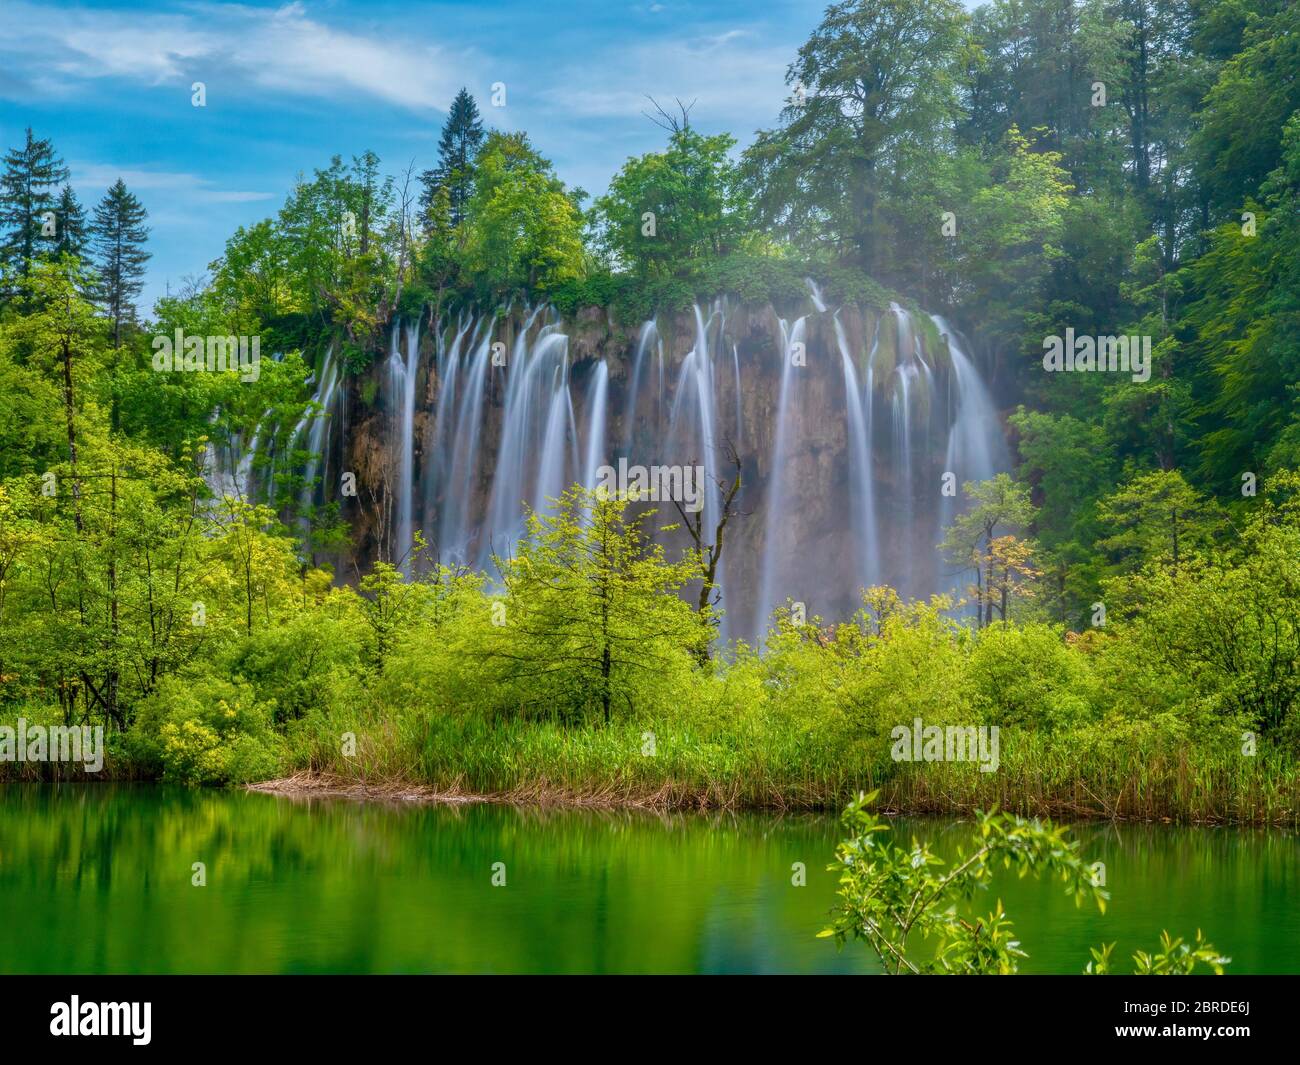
461	136
31	174
118	234
70	238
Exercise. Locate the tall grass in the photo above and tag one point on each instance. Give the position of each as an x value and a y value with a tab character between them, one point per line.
1040	773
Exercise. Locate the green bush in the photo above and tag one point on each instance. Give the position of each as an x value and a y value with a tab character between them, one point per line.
312	662
1026	675
205	731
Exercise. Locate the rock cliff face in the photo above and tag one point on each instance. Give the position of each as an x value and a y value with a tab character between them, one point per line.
844	422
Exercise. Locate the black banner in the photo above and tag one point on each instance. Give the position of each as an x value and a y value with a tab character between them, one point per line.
304	1013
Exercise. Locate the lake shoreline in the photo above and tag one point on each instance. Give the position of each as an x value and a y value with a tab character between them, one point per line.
317	785
892	802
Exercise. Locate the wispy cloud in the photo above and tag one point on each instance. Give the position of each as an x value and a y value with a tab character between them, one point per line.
230	48
194	188
291	84
733	74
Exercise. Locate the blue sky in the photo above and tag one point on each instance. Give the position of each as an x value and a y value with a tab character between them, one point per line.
289	85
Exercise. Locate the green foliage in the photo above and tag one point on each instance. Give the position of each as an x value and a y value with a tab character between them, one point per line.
308	664
118	235
453	178
524	231
1230	632
1174	958
205	730
590	613
666	211
902	901
874	92
752	277
980	540
1158	517
915	912
1249	105
1008	233
126	590
31	174
1026	676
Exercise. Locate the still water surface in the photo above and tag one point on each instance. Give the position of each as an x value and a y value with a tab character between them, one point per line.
98	879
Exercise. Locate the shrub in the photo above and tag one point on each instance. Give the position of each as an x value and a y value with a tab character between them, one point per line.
1026	675
205	731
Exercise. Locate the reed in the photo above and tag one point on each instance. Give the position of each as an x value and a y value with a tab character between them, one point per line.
1041	774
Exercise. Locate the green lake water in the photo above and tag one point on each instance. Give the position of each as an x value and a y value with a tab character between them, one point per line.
97	879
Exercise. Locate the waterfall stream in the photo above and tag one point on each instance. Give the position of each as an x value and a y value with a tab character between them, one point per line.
842	444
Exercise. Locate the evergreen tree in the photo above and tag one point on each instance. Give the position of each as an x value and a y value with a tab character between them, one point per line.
31	173
70	236
461	136
119	233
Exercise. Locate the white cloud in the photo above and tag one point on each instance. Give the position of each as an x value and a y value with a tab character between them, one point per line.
732	77
229	48
96	177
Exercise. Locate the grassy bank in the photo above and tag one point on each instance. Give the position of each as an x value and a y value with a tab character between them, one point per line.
1066	778
401	754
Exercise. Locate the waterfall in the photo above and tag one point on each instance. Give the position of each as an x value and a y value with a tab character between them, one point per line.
740	407
976	447
559	430
536	373
402	369
843	452
776	549
692	436
226	466
900	407
318	432
460	468
648	337
440	435
595	423
862	497
815	293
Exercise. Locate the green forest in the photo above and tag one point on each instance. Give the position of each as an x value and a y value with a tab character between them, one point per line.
1111	167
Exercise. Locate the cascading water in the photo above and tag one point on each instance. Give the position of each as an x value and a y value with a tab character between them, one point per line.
315	444
402	367
459	469
693	437
597	409
976	447
439	439
842	448
778	546
536	412
901	482
862	498
558	436
647	339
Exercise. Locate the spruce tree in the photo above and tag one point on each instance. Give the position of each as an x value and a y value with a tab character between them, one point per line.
118	234
70	237
31	174
461	136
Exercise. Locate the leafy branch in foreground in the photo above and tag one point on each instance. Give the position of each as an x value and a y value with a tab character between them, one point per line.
896	897
1174	958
